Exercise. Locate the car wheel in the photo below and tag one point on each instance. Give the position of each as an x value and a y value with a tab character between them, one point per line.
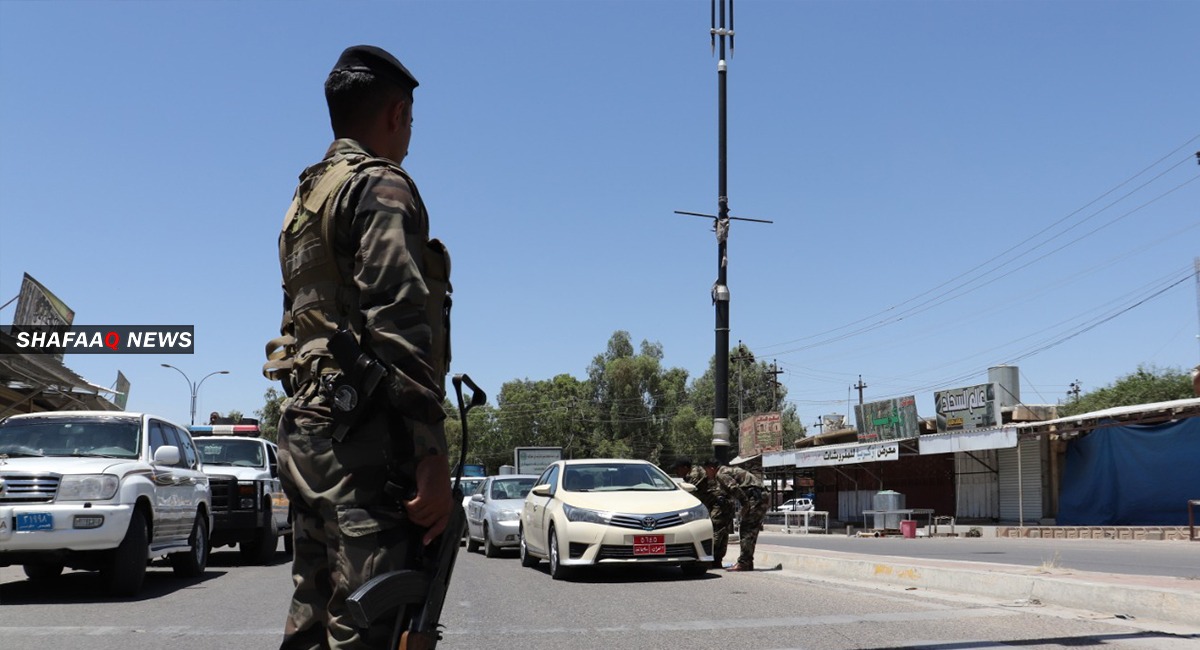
527	559
261	550
126	569
489	549
43	572
472	545
191	563
557	570
694	569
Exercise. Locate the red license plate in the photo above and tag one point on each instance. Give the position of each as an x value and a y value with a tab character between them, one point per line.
649	545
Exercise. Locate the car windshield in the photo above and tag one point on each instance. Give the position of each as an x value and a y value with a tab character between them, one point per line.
471	485
105	437
614	477
239	453
511	488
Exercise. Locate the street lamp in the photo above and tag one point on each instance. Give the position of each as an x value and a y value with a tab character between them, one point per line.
195	388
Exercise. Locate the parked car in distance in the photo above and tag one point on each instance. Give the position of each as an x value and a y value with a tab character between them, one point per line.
103	491
796	505
250	509
494	513
590	512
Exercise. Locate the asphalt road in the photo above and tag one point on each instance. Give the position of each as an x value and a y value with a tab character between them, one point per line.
496	603
1153	558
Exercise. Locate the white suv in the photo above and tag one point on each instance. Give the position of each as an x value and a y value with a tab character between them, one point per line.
101	491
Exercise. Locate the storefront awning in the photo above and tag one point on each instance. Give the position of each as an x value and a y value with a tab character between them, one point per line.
970	440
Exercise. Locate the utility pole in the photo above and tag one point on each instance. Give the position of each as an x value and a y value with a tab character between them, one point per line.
774	373
720	289
741	391
859	387
820	425
1074	389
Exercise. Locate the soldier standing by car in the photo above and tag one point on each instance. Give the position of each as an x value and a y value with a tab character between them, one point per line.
717	494
754	509
364	463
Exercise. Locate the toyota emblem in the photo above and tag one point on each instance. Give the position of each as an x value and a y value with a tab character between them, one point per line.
648	523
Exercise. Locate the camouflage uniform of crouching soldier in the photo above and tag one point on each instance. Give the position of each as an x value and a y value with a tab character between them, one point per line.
356	255
716	495
754	509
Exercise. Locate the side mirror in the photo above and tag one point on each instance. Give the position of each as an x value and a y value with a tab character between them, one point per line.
167	455
477	497
540	490
688	486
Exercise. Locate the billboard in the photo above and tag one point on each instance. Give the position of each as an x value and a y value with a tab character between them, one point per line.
759	433
38	307
534	460
121	398
972	407
892	419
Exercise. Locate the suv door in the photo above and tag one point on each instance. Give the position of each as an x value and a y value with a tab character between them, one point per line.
193	476
172	491
279	501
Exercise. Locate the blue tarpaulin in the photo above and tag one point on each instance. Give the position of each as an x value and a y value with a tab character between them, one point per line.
1132	475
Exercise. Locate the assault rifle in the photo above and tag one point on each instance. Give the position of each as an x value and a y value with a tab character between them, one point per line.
415	596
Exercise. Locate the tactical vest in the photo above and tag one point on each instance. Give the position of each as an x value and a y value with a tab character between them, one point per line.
324	298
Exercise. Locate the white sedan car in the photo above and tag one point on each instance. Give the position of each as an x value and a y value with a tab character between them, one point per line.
588	512
494	513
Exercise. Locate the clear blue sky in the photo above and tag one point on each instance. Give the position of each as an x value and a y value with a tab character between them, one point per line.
954	185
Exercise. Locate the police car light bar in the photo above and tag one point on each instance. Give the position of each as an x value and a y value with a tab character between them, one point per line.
224	430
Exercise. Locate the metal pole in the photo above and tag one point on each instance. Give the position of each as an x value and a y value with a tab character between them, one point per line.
721	290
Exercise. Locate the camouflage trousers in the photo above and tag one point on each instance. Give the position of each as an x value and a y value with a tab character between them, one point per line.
722	521
753	512
346	529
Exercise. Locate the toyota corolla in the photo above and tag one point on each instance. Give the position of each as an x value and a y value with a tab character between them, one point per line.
590	512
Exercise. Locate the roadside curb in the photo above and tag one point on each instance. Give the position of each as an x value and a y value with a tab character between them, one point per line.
1165	599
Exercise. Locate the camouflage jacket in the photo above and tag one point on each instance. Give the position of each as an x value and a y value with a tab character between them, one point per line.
739	477
380	232
714	490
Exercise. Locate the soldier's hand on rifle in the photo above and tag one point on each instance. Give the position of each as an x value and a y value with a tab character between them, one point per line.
431	507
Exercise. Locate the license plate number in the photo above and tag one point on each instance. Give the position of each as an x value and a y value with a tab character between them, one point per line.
649	545
35	521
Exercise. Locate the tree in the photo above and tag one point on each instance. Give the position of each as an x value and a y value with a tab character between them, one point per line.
1146	385
268	415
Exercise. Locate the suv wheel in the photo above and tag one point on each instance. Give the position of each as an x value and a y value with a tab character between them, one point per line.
190	564
261	550
43	572
127	567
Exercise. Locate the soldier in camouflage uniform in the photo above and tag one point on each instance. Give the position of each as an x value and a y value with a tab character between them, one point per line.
353	254
717	495
754	509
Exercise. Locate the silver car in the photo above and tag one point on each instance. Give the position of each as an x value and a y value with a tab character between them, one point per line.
494	513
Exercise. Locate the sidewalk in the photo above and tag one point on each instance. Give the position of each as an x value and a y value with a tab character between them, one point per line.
1162	598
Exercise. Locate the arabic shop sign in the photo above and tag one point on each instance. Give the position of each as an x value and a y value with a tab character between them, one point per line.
973	407
893	419
847	454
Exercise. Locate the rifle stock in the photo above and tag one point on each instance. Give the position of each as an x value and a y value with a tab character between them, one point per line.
417	597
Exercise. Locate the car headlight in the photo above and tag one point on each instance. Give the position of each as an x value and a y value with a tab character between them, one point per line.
87	487
508	515
694	514
586	516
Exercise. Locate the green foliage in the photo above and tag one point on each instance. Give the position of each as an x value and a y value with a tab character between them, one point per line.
268	415
1147	385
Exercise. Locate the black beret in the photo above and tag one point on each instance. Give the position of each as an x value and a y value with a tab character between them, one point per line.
368	58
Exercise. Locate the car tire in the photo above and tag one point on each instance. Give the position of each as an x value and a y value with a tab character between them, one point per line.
126	569
261	550
557	570
43	572
695	569
191	563
527	558
489	549
472	545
